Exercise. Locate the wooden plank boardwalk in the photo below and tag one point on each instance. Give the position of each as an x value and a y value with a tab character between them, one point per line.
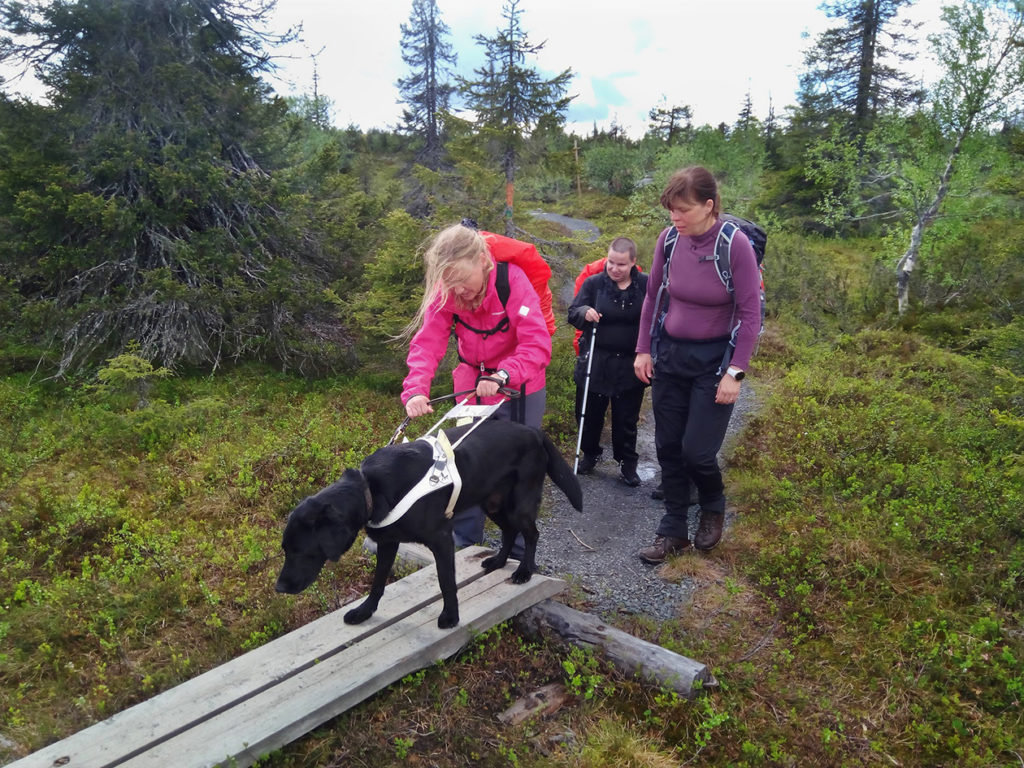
270	696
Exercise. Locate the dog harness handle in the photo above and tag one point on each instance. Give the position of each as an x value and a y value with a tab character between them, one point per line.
443	471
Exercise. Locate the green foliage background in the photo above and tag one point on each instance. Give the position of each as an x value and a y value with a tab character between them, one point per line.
865	606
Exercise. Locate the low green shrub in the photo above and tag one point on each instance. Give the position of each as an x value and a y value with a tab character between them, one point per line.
139	541
886	475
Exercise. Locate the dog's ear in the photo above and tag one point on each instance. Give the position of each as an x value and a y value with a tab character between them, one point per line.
342	514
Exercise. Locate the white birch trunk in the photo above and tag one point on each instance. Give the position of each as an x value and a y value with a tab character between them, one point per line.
908	260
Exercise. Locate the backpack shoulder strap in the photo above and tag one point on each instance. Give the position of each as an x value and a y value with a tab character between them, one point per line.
504	289
660	302
670	245
723	249
501	284
669	248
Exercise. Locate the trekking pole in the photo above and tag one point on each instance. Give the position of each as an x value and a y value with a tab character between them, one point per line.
586	391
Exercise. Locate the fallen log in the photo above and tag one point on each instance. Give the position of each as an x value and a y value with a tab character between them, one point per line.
553	620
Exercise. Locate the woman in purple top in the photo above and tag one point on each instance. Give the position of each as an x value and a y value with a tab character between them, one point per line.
680	351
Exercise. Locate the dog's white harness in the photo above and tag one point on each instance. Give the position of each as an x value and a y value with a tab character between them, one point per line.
443	470
441	473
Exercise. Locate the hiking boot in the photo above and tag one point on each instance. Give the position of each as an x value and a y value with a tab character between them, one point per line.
587	464
662	547
709	530
629	475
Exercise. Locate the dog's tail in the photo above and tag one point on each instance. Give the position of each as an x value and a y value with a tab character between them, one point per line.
562	475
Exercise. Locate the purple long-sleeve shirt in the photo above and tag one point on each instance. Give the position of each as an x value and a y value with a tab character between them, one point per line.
699	306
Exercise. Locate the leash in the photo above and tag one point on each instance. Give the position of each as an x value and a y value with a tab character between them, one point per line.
507	392
405	422
478	413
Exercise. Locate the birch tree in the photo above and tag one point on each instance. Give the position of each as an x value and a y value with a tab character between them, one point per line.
981	52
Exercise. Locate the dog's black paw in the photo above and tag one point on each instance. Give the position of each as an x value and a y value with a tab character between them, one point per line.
493	563
520	575
358	615
447	620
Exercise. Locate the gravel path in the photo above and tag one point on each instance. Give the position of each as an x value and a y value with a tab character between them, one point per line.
572	225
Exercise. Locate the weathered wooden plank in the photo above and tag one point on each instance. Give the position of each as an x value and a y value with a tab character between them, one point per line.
299	704
136	728
634	656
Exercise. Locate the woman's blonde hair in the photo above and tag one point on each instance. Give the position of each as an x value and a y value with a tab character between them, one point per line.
452	253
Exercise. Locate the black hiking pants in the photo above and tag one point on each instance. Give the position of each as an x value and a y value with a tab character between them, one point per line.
689	428
625	414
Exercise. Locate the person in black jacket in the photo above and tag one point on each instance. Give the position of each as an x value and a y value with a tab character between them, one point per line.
608	306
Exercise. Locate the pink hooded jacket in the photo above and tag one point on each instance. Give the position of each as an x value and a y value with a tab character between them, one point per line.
524	350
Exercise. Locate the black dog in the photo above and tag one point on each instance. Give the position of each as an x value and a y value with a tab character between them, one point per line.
502	465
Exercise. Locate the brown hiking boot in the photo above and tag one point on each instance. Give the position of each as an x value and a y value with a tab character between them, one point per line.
709	531
662	547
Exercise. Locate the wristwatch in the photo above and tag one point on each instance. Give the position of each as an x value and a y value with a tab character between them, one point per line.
736	373
502	374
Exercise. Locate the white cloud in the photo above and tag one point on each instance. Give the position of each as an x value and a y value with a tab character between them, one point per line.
706	55
627	57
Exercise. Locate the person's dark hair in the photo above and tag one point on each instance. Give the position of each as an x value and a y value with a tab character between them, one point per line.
624	245
692	186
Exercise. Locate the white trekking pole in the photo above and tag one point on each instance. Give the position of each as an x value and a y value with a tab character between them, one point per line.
586	391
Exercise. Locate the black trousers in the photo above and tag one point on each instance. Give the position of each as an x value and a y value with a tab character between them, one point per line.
625	413
689	428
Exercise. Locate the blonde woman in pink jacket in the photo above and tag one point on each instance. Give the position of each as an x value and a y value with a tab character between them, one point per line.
497	345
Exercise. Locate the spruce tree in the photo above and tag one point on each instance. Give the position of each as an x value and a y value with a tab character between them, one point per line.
426	92
853	72
156	219
510	98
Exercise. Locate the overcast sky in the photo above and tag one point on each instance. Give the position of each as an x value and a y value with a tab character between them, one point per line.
627	55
